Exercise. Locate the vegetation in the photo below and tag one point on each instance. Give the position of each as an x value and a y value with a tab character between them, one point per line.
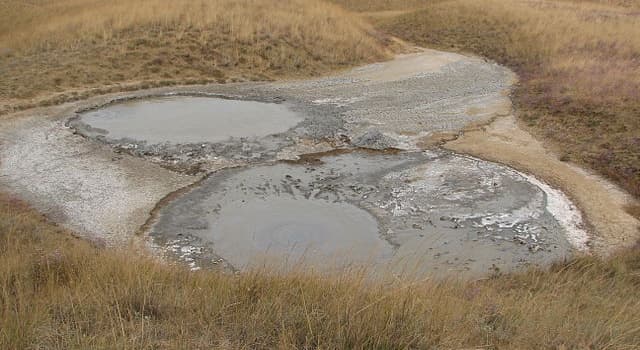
578	63
57	292
50	48
580	76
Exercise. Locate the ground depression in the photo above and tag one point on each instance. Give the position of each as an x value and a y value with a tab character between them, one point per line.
432	210
424	212
187	119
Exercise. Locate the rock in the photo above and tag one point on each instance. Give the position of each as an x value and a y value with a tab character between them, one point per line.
374	139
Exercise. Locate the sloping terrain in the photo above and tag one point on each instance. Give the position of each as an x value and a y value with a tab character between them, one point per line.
58	292
52	51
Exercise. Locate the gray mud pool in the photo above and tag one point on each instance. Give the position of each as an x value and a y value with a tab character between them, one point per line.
415	212
187	119
289	182
281	174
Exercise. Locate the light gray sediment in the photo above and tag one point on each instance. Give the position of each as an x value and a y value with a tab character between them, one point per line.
186	119
80	183
368	107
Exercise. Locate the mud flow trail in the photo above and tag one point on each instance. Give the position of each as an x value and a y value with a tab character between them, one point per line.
332	172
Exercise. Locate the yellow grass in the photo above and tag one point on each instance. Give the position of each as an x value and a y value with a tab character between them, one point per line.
57	292
382	5
56	46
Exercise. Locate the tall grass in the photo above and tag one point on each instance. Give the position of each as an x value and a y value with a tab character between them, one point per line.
53	46
57	292
55	23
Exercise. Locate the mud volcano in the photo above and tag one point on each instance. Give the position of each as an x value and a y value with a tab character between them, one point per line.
186	119
419	212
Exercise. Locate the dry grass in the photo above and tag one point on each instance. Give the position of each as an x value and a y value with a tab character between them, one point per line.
56	46
382	5
579	64
57	292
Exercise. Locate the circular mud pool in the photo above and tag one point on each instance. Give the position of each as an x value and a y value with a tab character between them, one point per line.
186	119
302	229
420	212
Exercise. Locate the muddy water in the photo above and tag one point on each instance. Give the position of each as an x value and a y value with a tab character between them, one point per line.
424	212
296	228
188	119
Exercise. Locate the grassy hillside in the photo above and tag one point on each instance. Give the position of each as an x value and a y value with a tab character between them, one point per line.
57	292
51	46
579	64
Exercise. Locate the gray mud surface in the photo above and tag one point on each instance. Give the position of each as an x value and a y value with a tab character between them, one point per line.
123	163
395	104
186	119
411	212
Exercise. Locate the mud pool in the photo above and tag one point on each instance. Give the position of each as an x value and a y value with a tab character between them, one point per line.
414	212
328	172
187	119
